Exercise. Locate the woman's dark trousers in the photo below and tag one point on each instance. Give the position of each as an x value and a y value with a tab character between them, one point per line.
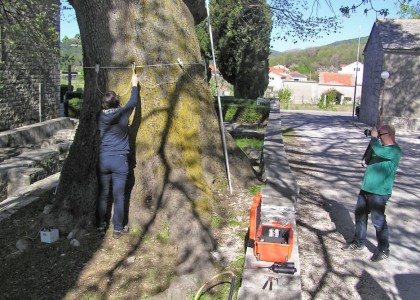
112	168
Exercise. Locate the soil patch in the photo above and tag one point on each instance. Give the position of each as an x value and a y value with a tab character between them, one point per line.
101	267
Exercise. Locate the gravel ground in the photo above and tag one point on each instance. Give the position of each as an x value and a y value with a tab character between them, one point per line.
325	270
324	151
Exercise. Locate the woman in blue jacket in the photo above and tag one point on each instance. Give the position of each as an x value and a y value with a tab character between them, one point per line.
113	155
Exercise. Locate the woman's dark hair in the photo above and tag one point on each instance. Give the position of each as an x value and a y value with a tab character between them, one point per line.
110	100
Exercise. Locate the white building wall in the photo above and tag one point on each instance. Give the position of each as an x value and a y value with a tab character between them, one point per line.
351	69
275	82
303	91
310	92
347	91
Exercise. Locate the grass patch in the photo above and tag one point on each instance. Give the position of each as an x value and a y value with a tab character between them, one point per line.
237	266
216	221
309	106
249	143
163	235
244	111
234	222
79	83
255	189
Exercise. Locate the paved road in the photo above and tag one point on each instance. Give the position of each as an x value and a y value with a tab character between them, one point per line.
336	144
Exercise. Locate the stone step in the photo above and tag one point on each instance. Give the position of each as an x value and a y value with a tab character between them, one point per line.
278	204
250	293
8	152
31	166
22	177
27	195
63	149
65	135
35	133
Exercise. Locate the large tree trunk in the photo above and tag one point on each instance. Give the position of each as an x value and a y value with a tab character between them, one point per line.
177	160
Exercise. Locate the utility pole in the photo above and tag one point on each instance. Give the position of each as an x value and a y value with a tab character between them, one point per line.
222	126
355	79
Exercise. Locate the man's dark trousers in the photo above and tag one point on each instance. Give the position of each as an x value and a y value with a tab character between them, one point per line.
375	205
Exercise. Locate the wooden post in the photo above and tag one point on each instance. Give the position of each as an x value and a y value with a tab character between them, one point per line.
69	78
40	101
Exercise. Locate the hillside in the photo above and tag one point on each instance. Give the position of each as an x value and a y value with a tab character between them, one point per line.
311	61
71	53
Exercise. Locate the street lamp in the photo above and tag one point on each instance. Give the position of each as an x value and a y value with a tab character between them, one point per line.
384	76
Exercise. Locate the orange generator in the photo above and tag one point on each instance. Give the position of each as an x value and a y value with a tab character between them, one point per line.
273	241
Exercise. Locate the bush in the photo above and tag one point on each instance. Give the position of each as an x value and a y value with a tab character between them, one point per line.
285	97
247	113
75	105
329	102
64	88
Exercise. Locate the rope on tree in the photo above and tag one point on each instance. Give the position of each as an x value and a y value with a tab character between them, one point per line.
179	63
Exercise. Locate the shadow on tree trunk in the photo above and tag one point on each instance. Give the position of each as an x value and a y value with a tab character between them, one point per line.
177	163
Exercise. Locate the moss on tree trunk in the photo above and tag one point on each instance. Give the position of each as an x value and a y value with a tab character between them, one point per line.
177	157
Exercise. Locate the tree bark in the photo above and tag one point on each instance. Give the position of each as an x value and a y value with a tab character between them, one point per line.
177	160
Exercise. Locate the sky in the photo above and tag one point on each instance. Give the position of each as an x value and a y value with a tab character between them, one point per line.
357	25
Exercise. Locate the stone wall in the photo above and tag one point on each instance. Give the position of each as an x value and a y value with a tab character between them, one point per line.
29	65
395	100
401	95
372	82
303	91
311	92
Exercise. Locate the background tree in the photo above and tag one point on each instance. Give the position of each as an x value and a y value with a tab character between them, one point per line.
71	53
409	9
294	20
327	58
242	42
299	20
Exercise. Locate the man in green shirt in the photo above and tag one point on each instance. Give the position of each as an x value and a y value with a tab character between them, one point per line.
376	190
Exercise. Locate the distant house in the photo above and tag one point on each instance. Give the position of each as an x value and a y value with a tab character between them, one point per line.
351	69
342	82
331	78
276	76
393	46
296	76
279	74
225	88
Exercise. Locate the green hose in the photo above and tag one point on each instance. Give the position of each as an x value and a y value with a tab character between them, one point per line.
232	284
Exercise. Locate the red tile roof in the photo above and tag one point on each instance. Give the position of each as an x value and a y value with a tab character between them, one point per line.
277	71
336	78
